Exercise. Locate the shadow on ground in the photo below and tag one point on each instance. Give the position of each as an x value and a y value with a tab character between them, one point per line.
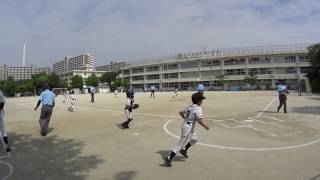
49	158
126	175
307	109
165	154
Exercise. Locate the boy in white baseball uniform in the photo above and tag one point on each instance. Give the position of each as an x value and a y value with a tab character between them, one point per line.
2	130
128	109
191	115
71	103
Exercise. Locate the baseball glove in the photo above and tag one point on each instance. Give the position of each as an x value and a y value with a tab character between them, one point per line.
135	106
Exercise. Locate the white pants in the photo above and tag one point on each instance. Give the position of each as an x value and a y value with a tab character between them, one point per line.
2	131
129	114
187	135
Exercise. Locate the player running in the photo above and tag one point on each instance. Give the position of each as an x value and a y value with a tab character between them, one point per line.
128	109
191	115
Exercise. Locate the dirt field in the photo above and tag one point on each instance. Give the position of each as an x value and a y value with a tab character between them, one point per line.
247	140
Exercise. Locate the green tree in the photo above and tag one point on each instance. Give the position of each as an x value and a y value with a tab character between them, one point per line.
221	80
125	84
39	80
54	80
314	73
108	77
93	80
10	86
251	79
25	86
77	82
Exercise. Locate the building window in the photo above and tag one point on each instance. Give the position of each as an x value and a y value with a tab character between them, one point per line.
137	70
153	76
152	68
137	78
210	63
234	61
170	66
189	65
170	75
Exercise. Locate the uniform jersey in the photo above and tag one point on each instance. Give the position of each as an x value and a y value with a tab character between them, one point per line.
129	104
192	113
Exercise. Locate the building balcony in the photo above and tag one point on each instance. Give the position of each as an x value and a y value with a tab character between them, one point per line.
259	65
137	81
210	68
240	66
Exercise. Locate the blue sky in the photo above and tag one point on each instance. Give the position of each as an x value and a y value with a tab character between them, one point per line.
141	29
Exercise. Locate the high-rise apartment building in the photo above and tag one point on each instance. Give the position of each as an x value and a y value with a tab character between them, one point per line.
21	72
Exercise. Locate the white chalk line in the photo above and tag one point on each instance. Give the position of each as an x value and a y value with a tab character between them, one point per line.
266	107
8	165
243	148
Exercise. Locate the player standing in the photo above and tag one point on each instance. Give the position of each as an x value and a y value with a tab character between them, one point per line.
128	109
191	115
201	88
152	91
92	91
2	129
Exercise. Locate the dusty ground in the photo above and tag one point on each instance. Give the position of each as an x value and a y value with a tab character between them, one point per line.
247	139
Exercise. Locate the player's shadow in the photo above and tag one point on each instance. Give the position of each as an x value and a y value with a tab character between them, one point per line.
307	109
50	157
165	154
125	175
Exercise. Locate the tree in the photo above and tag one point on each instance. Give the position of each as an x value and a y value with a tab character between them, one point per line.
108	77
54	80
24	86
221	80
93	80
251	79
39	80
10	86
314	73
77	82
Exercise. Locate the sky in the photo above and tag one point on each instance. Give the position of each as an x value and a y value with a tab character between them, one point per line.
134	30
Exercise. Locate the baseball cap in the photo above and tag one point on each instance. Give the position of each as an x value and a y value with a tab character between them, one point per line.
196	97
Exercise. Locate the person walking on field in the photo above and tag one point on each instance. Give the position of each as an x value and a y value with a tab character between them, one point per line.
191	115
152	91
92	91
2	129
282	90
47	98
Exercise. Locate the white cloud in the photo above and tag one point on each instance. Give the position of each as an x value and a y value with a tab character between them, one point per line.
137	29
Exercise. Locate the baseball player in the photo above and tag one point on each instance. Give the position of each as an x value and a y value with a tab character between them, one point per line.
191	115
47	97
128	109
71	103
282	91
175	92
116	93
2	130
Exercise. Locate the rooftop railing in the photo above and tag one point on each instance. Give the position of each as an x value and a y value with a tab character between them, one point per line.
256	50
